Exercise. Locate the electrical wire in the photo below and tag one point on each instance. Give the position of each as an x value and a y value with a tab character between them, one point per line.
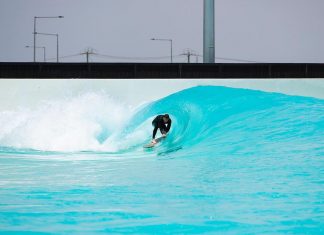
62	57
233	59
135	58
148	58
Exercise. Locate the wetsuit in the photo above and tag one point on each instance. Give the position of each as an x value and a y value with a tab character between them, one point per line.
158	123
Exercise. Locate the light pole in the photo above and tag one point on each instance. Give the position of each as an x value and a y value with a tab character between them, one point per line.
57	43
162	39
35	32
44	48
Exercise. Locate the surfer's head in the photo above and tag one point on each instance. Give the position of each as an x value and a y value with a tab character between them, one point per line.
166	118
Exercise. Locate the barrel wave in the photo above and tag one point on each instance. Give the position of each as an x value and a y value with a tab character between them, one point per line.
236	161
223	120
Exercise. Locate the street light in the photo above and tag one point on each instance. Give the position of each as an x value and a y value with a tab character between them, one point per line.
162	39
44	48
57	43
41	17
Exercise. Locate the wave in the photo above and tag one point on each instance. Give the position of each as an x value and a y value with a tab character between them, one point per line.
70	124
205	119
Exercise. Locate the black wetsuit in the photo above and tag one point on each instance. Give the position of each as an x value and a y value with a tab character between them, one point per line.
158	123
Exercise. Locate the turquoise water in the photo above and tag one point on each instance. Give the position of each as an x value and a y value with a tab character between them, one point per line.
235	162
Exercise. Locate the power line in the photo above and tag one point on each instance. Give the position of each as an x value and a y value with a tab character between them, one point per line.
187	53
134	58
233	59
88	52
67	56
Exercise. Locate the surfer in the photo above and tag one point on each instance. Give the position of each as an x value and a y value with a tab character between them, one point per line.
160	122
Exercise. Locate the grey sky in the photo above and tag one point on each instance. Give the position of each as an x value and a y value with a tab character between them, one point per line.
257	30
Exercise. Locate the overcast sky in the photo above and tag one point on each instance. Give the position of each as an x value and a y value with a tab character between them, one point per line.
255	30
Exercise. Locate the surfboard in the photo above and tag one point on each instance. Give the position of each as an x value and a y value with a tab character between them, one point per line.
151	145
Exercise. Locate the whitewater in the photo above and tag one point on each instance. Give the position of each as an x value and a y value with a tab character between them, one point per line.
236	161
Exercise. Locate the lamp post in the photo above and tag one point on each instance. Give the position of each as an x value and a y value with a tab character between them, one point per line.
35	32
57	43
162	39
44	50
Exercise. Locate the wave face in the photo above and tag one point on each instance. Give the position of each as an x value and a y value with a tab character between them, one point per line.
235	162
206	118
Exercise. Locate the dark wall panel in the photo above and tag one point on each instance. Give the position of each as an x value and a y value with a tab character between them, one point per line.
155	70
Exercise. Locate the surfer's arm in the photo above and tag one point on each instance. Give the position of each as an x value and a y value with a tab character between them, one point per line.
154	132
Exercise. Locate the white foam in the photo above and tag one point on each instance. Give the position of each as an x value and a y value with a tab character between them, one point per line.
70	124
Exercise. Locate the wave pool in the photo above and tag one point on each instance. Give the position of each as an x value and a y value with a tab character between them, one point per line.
236	161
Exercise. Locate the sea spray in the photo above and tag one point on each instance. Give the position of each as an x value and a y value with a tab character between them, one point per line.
77	123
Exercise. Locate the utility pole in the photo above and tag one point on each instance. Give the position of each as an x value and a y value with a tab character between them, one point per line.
188	53
88	52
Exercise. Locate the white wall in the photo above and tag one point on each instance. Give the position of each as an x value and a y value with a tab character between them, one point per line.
31	92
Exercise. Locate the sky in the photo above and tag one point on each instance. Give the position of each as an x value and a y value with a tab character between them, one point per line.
120	30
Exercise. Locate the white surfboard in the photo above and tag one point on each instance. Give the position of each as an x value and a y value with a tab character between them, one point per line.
151	145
